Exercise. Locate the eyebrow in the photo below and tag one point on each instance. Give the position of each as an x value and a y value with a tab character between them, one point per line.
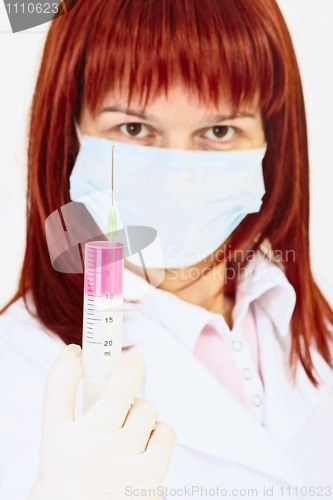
132	112
148	117
222	118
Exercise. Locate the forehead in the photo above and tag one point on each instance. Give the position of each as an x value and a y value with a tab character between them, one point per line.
177	100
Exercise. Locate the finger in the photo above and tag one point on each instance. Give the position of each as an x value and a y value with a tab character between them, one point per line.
130	440
160	449
108	414
133	437
139	424
61	387
147	468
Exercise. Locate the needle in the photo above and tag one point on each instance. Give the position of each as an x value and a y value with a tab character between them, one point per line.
112	175
112	221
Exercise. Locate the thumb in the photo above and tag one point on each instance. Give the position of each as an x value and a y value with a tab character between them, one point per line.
61	387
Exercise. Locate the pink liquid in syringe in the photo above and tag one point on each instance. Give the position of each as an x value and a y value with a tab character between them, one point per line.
104	268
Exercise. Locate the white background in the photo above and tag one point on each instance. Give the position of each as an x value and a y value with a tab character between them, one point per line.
310	24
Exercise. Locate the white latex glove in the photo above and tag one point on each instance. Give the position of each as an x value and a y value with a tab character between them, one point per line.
111	446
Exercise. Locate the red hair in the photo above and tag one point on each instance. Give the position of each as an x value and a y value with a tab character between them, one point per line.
218	49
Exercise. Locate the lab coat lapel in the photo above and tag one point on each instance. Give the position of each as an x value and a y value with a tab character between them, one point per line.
286	406
204	414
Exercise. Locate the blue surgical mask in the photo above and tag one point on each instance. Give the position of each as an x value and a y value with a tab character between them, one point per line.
193	199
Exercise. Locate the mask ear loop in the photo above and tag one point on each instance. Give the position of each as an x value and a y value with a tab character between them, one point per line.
78	133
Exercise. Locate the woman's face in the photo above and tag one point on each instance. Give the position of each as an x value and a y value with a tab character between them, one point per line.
178	122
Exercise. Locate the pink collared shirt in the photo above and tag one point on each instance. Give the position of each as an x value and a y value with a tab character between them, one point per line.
212	350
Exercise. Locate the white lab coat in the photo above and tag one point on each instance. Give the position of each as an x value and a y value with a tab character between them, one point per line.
220	446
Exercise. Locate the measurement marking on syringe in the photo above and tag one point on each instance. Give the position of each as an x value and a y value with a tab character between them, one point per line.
90	323
95	319
93	342
95	272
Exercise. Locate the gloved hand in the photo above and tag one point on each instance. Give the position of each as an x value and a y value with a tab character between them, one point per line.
114	445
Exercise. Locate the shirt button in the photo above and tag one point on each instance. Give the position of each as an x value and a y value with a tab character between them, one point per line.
236	345
256	400
247	374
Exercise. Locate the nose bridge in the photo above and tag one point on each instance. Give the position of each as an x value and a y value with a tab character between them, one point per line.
178	138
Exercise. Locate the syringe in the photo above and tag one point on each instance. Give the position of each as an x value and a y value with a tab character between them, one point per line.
103	310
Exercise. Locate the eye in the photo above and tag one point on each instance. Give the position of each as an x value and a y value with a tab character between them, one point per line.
134	129
224	132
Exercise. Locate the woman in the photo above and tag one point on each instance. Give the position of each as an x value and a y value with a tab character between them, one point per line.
237	336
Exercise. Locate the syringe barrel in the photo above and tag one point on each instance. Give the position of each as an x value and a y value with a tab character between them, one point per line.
103	316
